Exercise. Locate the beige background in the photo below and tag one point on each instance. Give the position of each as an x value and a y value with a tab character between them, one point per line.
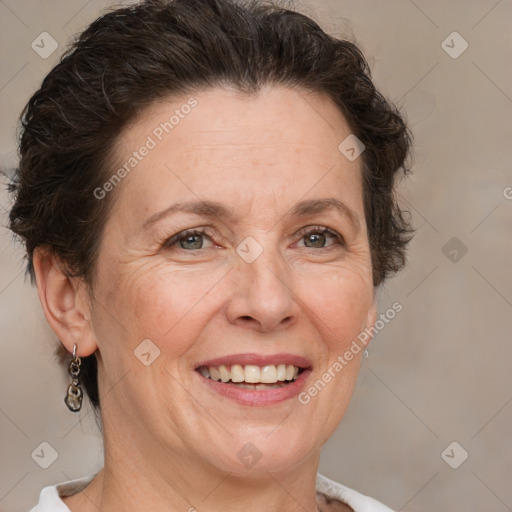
440	371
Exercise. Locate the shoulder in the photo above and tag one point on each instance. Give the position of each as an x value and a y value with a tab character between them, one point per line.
358	502
50	497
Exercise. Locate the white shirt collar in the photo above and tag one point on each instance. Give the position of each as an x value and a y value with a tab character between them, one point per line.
50	497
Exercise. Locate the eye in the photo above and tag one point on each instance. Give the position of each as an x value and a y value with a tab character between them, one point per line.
319	237
189	240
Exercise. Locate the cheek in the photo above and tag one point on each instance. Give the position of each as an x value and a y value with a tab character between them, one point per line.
167	307
340	301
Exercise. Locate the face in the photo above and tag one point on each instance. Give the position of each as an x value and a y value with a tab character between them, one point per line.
237	239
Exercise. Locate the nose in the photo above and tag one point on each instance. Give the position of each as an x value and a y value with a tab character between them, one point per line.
263	297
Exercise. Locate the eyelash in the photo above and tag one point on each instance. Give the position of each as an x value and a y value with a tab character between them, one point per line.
183	234
321	230
310	230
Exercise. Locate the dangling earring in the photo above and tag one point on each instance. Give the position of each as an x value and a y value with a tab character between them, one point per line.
74	396
366	354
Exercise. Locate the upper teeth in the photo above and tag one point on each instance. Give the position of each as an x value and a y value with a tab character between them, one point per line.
269	374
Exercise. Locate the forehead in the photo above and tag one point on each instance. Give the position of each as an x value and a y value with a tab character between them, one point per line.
294	115
221	143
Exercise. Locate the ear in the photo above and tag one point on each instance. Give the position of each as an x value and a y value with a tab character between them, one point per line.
65	303
371	318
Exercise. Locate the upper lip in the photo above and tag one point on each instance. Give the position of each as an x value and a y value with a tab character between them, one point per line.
258	360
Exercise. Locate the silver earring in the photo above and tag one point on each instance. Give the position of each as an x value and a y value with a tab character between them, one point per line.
74	395
366	354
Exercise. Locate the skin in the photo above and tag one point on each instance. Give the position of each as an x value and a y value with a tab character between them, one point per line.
170	442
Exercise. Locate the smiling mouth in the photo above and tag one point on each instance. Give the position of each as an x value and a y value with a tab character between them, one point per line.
252	376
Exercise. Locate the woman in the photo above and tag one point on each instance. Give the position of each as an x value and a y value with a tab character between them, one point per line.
205	192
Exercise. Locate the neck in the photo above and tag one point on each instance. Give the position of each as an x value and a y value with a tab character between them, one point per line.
153	478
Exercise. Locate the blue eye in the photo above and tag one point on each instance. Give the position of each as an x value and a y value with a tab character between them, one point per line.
188	240
319	237
316	237
191	242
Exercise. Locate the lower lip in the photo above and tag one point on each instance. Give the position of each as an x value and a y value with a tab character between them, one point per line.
261	397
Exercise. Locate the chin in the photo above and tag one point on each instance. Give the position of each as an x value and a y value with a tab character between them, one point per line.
259	453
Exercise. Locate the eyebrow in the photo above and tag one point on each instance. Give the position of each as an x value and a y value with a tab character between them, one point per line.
314	206
204	208
217	210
